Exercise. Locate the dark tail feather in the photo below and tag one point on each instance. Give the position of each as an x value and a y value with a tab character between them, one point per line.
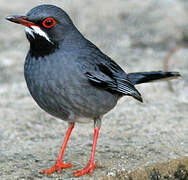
144	77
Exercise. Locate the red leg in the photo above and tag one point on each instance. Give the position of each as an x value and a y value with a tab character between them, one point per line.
59	165
91	165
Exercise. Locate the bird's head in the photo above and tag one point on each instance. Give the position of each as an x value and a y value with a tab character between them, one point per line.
45	27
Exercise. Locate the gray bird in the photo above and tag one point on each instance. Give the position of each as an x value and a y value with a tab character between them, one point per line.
70	78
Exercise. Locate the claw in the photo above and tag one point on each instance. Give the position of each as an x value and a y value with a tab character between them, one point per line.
91	165
87	170
58	166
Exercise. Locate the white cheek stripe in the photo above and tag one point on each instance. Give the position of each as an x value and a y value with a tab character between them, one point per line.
29	31
37	30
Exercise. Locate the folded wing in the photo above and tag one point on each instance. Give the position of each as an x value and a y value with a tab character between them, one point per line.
104	73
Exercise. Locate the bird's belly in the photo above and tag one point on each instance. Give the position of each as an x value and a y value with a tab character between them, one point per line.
67	97
73	103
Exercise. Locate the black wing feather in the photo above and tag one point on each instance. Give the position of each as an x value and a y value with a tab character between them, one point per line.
103	72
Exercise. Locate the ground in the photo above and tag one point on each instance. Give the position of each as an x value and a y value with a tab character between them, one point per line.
137	140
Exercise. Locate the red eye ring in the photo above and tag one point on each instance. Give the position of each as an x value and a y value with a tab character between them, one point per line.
49	22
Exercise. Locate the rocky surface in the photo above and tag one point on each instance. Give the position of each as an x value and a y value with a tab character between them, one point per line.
137	141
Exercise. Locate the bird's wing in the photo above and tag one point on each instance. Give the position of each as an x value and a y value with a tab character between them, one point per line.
103	72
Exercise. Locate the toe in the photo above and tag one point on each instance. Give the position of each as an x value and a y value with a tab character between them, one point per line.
58	166
87	170
68	165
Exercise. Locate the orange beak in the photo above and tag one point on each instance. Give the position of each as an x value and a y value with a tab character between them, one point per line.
20	20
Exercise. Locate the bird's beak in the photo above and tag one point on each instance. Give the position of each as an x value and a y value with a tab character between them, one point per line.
20	20
31	27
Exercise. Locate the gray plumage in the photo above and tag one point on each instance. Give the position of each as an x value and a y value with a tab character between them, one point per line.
74	80
70	78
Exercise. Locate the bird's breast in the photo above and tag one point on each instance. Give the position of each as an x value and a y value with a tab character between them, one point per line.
61	89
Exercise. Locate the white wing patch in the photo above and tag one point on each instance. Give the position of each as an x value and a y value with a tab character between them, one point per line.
37	30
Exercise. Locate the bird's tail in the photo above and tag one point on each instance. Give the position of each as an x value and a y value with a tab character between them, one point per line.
145	77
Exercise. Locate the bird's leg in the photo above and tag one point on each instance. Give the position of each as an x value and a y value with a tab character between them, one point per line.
59	165
91	164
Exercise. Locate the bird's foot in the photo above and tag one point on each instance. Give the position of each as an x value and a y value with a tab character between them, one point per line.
87	170
58	166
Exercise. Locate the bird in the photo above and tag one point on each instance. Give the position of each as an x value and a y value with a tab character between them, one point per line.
72	79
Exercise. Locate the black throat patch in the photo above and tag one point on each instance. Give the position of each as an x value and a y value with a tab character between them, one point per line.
40	46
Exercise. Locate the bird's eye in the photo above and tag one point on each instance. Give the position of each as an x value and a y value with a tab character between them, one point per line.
49	22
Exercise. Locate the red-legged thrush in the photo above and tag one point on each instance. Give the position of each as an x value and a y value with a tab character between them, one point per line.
70	78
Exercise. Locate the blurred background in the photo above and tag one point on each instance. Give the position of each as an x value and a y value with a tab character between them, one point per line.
138	35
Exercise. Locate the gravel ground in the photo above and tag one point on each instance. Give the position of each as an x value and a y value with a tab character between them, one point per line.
137	141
